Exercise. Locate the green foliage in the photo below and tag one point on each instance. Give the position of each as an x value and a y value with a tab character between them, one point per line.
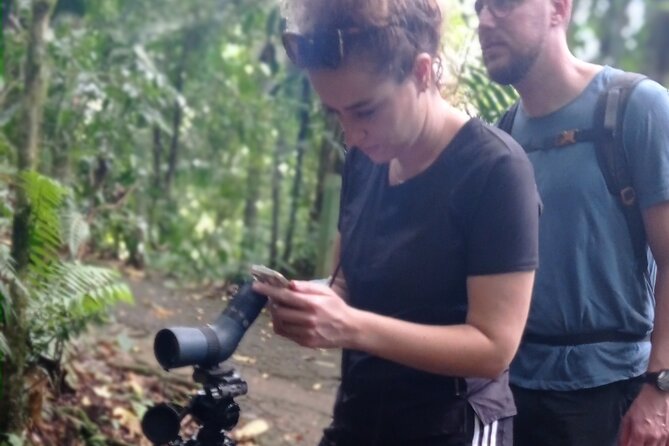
69	298
14	440
130	82
489	99
45	197
65	295
7	278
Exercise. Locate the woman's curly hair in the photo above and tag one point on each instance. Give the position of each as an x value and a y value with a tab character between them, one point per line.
404	28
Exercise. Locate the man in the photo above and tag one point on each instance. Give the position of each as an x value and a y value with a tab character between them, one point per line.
598	326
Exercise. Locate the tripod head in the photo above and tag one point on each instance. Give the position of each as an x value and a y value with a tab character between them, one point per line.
213	408
205	348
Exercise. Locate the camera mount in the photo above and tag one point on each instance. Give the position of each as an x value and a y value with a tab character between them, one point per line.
205	348
213	408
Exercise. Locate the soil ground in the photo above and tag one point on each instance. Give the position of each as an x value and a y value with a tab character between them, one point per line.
292	388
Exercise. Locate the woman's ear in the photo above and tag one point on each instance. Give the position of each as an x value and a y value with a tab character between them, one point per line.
422	71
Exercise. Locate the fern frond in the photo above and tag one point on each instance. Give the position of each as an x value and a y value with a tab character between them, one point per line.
76	231
4	347
65	296
84	289
7	172
7	273
71	297
46	198
8	277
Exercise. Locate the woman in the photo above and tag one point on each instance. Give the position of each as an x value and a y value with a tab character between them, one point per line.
438	236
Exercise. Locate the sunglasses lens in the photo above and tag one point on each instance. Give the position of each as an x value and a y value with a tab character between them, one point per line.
328	49
291	43
322	50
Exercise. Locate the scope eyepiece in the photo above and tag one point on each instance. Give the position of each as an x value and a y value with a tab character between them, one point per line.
210	344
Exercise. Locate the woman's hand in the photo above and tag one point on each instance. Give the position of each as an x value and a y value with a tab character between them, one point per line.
310	314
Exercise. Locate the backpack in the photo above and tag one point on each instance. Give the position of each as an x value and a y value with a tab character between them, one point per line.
607	136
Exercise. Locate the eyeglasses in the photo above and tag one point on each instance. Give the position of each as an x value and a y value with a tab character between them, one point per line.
498	8
324	49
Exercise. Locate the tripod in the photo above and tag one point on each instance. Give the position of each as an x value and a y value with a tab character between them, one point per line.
213	408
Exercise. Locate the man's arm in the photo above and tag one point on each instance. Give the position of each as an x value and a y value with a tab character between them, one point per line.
647	421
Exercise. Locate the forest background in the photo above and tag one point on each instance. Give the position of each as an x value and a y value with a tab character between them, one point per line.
174	136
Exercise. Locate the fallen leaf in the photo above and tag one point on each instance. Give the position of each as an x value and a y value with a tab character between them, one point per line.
124	342
244	359
293	438
134	274
102	392
251	430
328	364
135	384
128	419
161	312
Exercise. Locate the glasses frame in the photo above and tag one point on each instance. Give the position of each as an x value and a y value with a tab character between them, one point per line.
494	8
323	49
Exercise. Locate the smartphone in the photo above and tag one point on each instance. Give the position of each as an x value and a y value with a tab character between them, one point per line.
269	276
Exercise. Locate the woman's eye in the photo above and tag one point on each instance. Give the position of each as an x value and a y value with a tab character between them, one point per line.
362	114
330	112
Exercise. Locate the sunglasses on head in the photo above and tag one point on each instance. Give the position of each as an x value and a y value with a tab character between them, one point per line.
498	8
323	49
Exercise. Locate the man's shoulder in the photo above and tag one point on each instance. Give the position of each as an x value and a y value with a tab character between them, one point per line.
644	89
648	94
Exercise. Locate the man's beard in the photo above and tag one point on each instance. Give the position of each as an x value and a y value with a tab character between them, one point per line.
516	69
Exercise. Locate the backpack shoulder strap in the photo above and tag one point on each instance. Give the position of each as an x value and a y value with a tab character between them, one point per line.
612	157
506	121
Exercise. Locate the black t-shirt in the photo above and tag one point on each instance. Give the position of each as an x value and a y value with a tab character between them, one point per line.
407	249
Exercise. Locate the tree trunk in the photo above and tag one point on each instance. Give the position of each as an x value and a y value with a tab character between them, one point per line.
658	41
276	204
60	145
324	213
60	161
255	173
612	44
157	158
188	42
157	180
12	403
173	157
330	160
5	11
297	181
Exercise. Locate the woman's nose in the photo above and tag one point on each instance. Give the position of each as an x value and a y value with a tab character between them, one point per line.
354	137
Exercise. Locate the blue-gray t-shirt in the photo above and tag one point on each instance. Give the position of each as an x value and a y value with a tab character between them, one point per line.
588	281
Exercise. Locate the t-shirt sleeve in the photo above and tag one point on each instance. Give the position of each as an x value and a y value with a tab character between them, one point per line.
504	225
646	141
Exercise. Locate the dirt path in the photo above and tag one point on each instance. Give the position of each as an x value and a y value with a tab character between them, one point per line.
290	387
